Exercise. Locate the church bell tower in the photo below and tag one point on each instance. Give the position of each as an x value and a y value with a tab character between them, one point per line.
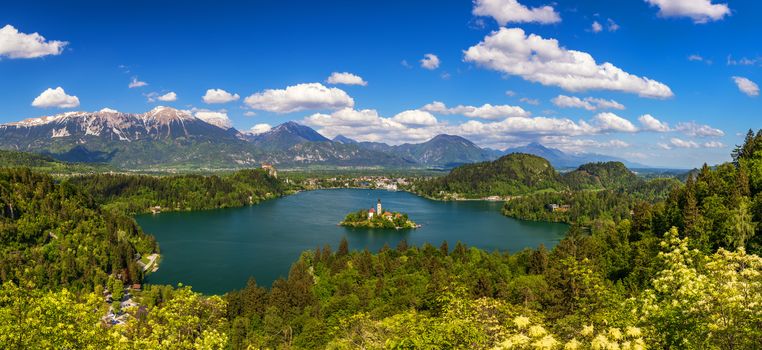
378	207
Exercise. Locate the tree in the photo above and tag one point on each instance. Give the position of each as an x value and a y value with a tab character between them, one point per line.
343	248
742	225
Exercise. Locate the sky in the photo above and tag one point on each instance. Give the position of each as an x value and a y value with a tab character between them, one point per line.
669	83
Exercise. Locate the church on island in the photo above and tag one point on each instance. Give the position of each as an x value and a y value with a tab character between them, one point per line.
378	218
379	210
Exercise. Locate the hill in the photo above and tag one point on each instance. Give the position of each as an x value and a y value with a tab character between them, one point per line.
510	175
600	175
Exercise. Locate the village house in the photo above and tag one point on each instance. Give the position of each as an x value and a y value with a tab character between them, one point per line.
371	213
553	207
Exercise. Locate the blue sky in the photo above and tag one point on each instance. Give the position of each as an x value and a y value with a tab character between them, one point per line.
679	57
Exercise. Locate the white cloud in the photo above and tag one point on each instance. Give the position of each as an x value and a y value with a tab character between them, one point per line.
611	122
613	27
168	97
55	98
576	145
300	97
747	86
510	93
680	143
744	61
588	103
217	118
505	11
14	44
536	59
430	61
249	113
368	125
346	78
260	128
652	124
219	96
695	57
700	11
531	101
597	27
693	129
415	117
135	83
713	144
486	111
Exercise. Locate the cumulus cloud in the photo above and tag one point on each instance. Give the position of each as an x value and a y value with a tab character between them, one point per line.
505	11
135	83
694	129
168	97
430	61
700	11
541	60
300	97
613	123
486	111
650	123
415	117
597	27
217	118
747	86
219	96
260	129
576	145
14	44
346	78
368	125
55	98
680	143
588	103
415	126
713	144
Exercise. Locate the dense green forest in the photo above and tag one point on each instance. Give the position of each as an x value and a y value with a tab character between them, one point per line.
139	193
681	273
55	235
519	174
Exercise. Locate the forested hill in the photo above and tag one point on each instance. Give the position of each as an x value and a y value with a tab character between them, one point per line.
135	194
521	174
55	235
600	175
513	174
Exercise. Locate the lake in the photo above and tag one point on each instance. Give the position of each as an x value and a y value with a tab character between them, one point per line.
218	250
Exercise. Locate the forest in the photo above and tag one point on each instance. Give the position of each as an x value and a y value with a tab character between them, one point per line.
517	175
134	194
673	266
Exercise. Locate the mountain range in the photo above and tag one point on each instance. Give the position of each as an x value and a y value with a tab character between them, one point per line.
167	137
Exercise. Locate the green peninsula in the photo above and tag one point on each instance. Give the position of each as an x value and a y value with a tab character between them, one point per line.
378	218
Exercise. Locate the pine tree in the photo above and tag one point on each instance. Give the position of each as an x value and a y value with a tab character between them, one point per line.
343	248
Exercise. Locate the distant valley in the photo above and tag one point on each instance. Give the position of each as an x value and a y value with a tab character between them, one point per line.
171	138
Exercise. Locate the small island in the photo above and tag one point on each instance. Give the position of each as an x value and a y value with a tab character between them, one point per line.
378	218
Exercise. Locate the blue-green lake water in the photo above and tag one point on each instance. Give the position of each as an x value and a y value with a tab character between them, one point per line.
218	250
